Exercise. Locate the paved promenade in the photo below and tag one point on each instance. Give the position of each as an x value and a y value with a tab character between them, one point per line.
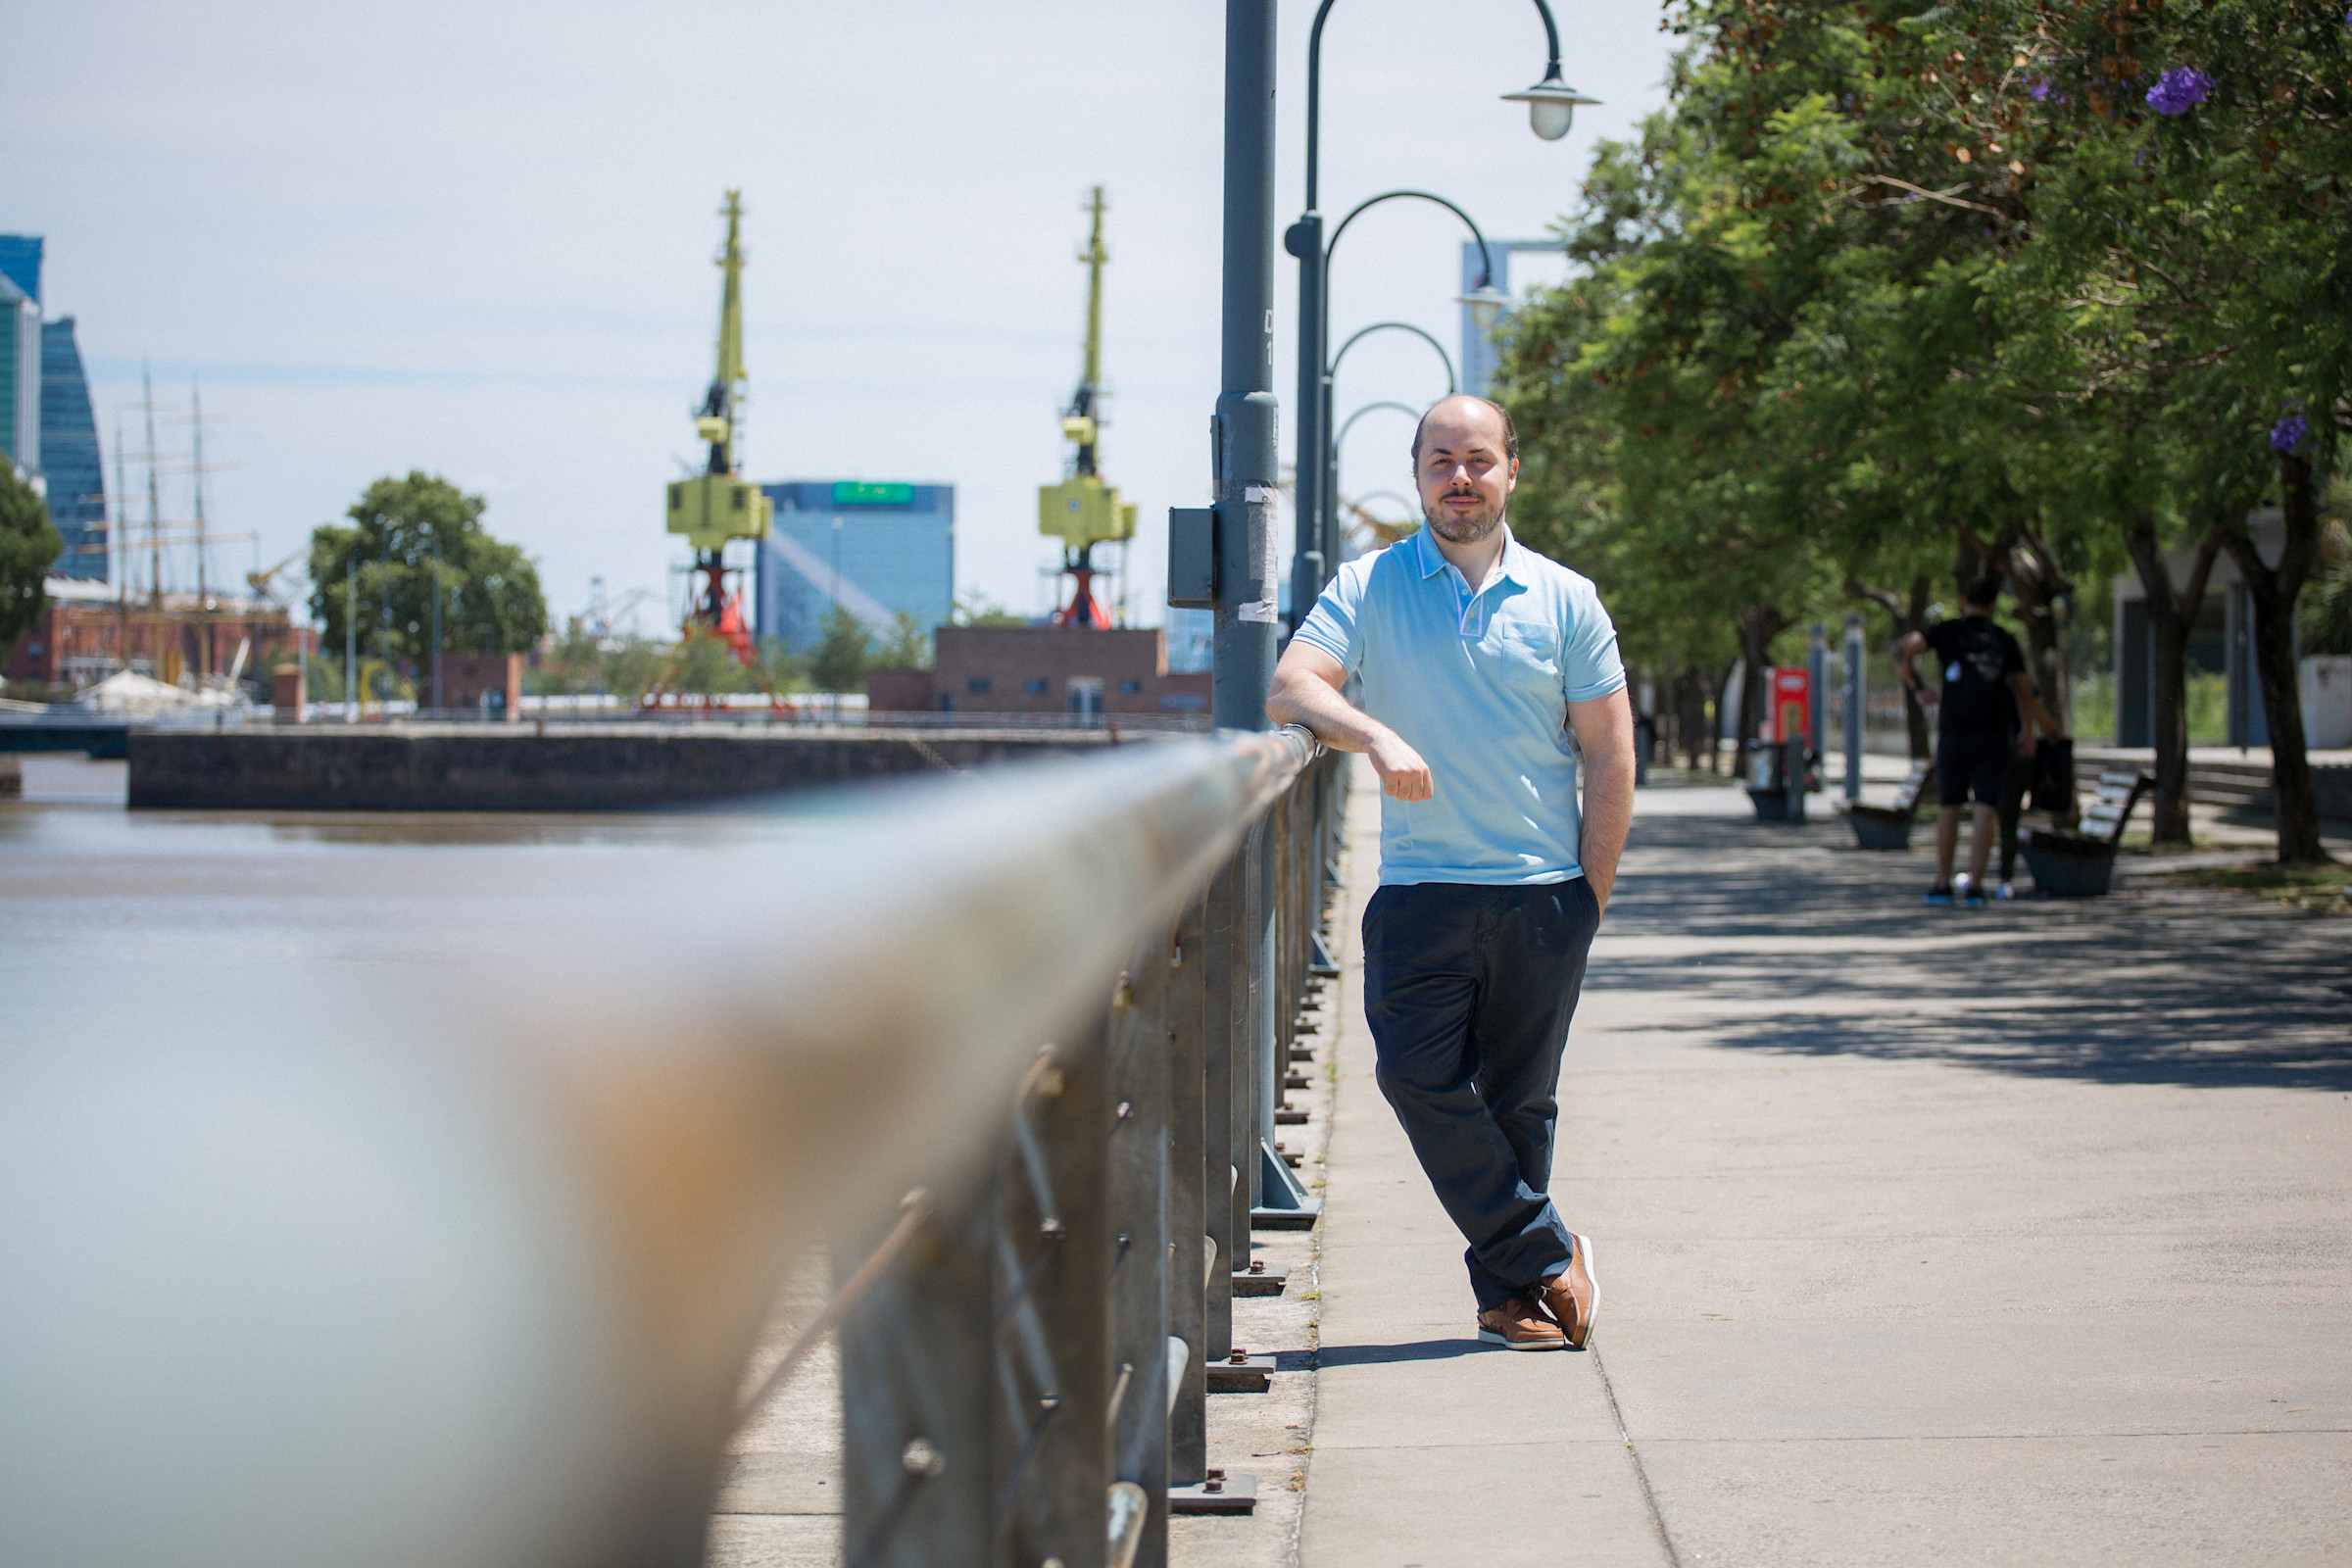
2014	1235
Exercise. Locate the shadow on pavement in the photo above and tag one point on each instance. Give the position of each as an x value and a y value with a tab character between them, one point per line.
1331	1355
1826	949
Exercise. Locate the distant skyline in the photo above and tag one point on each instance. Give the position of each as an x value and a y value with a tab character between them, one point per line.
477	241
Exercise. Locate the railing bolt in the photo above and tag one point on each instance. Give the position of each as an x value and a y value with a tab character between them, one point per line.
1240	1357
921	1459
1258	1265
1053	1230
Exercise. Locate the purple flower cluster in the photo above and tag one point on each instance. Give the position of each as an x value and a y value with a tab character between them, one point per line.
2039	87
2180	90
2289	433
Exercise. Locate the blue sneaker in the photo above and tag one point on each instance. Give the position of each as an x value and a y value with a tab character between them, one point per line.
1941	894
1972	900
2004	891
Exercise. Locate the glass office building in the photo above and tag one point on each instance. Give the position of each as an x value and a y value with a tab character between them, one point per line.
876	548
46	425
69	456
19	377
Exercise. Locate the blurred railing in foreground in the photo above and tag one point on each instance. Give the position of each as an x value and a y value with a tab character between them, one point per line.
336	1268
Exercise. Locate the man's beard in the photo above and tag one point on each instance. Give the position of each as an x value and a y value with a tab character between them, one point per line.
1467	530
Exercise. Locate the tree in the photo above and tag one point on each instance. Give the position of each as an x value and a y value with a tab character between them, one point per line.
910	645
976	608
405	535
1898	287
29	545
845	653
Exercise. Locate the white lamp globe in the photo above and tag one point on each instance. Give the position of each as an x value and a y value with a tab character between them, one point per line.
1486	303
1550	106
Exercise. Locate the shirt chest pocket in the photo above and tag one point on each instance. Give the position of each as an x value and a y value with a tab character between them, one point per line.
1522	658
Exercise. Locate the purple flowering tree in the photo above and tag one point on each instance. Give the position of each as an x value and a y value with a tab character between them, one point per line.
2180	90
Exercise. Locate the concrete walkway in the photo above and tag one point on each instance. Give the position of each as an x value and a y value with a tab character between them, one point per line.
2015	1235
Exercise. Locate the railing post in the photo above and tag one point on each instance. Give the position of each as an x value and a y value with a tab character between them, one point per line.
1277	1197
1053	1328
917	1378
1225	1191
1253	1049
1189	1190
1141	1275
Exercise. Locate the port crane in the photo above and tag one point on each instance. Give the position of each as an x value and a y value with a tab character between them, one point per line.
1083	512
719	506
260	582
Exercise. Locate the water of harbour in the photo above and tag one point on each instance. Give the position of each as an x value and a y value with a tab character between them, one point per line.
98	901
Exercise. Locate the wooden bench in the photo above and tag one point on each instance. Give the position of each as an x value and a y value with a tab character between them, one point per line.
2081	864
1888	827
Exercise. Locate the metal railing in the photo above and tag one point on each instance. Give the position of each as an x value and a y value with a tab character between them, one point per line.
486	1266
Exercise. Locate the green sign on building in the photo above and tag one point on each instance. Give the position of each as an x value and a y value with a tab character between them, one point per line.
857	493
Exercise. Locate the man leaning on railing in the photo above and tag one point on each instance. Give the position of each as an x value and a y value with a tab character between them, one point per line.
1492	879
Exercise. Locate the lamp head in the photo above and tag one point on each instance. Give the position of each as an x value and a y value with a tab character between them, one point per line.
1486	303
1551	105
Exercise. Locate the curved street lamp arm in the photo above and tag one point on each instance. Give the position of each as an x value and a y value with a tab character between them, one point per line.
1371	408
1315	86
1314	99
1485	256
1452	384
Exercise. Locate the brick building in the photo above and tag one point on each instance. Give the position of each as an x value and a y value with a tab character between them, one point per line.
86	632
1044	670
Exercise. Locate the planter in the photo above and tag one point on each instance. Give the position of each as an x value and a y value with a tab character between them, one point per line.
2067	866
1880	827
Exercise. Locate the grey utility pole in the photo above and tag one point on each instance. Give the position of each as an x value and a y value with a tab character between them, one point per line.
1243	433
437	625
350	639
1817	679
1856	691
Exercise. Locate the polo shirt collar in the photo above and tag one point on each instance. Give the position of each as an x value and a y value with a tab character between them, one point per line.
1512	564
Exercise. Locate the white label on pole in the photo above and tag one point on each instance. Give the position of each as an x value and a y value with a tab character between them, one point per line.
1262	610
1265	547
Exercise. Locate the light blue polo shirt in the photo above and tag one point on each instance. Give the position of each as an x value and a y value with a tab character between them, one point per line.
1479	684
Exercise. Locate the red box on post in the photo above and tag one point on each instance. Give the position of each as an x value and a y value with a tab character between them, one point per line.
1789	708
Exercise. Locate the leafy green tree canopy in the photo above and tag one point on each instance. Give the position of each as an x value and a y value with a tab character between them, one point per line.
845	655
29	544
405	535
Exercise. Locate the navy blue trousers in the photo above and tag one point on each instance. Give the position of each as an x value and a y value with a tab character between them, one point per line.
1469	991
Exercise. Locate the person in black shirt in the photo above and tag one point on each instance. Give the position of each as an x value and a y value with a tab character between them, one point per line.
1983	692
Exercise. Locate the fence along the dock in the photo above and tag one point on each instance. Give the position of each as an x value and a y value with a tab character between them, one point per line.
985	1027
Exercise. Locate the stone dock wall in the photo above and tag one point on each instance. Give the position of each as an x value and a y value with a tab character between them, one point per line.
519	768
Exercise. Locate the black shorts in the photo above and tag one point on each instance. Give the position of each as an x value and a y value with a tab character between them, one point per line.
1971	762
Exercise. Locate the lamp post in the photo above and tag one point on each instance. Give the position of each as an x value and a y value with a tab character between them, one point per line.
1247	575
1551	109
1339	443
1349	423
1452	382
1486	303
350	639
437	625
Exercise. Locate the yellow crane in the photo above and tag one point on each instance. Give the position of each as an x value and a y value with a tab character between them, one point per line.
260	582
1083	512
719	505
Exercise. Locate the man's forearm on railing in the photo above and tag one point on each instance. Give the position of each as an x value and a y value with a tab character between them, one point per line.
1305	697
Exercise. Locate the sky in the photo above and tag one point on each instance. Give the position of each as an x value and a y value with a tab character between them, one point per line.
476	239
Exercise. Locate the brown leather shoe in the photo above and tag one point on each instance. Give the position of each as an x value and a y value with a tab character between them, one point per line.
1519	1325
1573	1296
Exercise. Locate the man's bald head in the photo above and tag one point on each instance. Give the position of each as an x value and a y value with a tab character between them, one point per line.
1466	406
